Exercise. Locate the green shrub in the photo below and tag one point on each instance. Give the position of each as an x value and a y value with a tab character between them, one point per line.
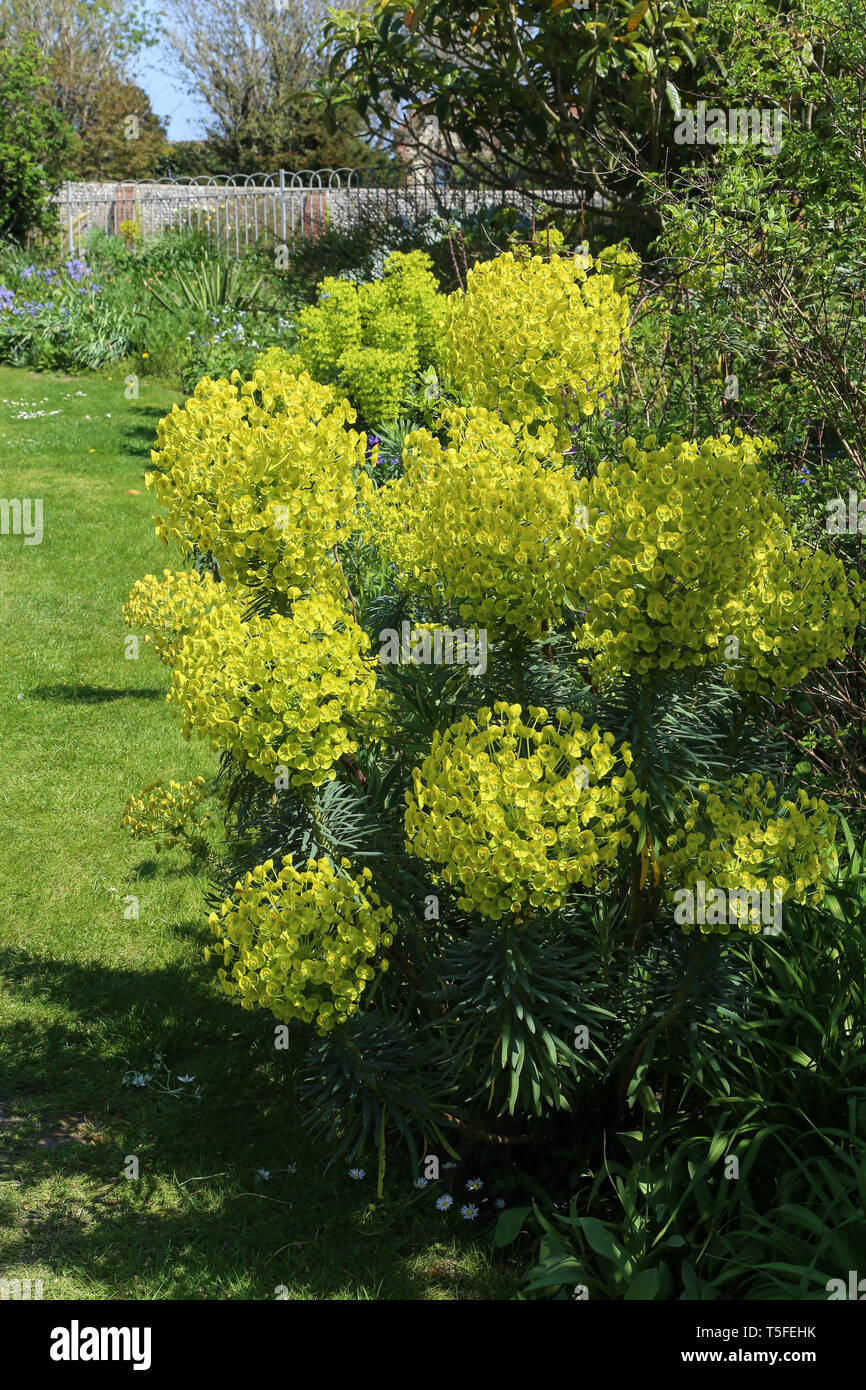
373	338
35	140
533	812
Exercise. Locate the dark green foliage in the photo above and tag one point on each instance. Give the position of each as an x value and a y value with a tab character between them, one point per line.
762	1060
35	141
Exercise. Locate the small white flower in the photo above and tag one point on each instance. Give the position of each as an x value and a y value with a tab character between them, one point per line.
356	1173
449	1165
500	1202
291	1168
420	1182
474	1185
469	1212
263	1174
443	1203
186	1078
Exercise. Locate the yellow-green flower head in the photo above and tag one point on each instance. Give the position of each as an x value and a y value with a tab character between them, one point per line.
484	522
801	608
302	943
376	379
413	289
750	839
371	339
279	359
168	812
280	692
623	264
516	808
264	475
169	607
684	548
528	331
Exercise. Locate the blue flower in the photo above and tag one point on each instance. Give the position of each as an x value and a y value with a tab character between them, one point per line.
356	1173
469	1212
443	1203
77	269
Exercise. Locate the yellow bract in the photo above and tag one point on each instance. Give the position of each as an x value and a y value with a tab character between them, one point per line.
303	944
170	607
370	339
281	692
528	331
685	560
484	522
170	813
265	476
753	840
516	810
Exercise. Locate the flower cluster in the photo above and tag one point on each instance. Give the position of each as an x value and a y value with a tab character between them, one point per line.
261	474
623	264
279	692
518	808
278	359
303	944
377	379
77	269
751	839
371	339
170	607
675	557
170	814
485	522
77	272
800	611
528	332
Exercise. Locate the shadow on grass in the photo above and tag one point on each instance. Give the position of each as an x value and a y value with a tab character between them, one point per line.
224	1241
138	432
94	694
197	1223
181	868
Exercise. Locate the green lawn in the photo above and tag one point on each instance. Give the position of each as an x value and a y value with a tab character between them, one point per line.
86	993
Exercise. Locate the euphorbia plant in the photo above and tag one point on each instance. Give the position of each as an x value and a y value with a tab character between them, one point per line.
444	872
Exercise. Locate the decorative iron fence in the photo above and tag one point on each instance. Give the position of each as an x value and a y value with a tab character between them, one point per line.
242	211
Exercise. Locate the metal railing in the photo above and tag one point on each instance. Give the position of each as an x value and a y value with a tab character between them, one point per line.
242	211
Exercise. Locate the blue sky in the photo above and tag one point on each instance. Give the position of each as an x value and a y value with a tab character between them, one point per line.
182	113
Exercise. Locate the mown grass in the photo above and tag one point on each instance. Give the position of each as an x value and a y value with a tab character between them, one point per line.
87	993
